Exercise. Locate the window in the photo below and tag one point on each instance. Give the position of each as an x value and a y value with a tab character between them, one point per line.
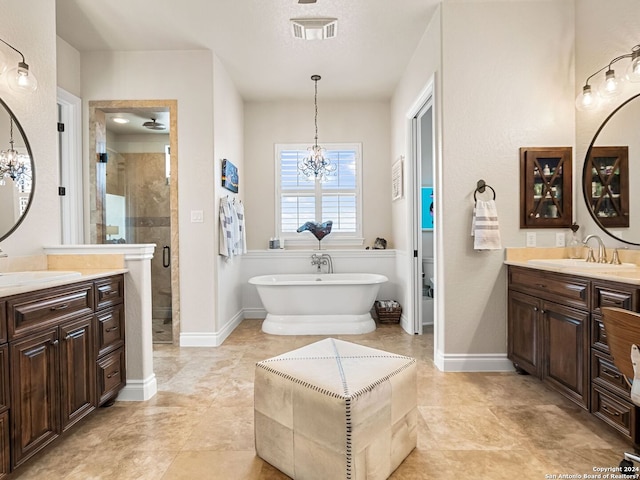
300	199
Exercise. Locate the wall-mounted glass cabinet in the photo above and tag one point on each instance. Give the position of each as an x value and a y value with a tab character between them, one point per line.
607	172
545	187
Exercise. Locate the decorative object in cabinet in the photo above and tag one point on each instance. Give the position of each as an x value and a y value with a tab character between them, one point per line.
545	187
607	171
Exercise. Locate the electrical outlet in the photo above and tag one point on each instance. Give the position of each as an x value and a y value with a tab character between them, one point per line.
560	240
531	239
197	216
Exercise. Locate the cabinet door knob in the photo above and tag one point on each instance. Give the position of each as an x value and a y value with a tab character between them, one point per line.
54	342
535	309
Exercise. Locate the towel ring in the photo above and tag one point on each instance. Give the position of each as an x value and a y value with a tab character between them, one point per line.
482	185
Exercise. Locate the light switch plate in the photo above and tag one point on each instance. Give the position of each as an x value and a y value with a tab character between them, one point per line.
197	216
560	240
531	239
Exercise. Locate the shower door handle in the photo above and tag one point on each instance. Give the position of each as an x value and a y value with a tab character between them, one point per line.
166	256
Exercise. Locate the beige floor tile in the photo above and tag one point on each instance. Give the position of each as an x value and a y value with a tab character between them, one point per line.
200	423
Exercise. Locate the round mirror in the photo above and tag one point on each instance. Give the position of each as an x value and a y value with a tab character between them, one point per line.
611	165
17	172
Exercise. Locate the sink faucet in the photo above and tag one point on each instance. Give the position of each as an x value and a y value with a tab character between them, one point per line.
602	251
324	259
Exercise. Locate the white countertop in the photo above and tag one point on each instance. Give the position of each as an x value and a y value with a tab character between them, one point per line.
85	275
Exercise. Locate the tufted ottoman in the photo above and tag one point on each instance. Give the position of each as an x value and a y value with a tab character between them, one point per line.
334	409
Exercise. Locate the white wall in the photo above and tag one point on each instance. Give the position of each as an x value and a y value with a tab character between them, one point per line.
32	31
268	123
228	143
145	76
503	86
68	72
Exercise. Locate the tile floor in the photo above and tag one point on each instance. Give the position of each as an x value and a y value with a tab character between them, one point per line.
200	424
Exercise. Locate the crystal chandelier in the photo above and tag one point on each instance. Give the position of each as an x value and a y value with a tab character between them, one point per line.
315	165
13	165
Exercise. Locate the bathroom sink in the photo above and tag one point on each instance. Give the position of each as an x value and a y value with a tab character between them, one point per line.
16	279
580	264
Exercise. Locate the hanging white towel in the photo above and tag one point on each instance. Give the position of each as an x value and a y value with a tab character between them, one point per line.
484	226
226	228
241	246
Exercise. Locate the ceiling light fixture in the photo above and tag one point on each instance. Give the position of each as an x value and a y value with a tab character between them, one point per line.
19	78
153	125
314	28
120	120
13	165
612	85
316	165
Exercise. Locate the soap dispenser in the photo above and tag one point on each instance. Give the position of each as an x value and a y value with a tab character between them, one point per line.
575	245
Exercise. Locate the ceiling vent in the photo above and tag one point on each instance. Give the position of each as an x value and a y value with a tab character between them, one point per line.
314	28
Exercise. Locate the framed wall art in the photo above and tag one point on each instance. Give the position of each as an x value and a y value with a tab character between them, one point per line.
229	176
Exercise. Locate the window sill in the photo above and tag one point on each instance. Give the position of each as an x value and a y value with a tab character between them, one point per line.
328	242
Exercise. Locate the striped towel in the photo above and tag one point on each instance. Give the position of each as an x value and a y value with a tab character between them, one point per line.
484	226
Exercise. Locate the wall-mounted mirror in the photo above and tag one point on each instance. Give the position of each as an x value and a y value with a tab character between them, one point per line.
611	172
17	172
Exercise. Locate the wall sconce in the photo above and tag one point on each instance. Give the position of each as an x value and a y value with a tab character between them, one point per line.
612	85
19	78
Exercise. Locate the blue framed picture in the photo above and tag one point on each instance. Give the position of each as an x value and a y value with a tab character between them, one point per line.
427	208
229	176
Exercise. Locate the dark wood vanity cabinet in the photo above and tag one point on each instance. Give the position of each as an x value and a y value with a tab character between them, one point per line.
548	335
57	343
555	332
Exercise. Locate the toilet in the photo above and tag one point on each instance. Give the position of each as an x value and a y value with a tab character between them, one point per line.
428	291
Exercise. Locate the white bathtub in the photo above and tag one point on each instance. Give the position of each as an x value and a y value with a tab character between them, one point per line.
318	304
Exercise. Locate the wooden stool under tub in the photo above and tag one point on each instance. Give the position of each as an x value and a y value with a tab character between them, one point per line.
335	409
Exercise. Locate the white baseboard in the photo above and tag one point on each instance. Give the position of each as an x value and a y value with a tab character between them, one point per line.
255	313
214	339
139	390
479	362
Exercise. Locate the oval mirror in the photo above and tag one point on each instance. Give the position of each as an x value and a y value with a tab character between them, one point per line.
17	172
611	165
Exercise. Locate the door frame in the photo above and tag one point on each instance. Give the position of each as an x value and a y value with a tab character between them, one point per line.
424	101
172	107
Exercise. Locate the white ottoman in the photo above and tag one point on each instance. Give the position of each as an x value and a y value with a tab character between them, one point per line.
334	409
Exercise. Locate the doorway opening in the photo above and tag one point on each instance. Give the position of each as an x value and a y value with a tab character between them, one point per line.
133	193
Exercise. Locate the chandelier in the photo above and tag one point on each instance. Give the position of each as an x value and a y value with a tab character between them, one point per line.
315	165
612	85
13	165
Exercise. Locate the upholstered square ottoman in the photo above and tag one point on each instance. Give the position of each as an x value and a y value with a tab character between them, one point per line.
335	409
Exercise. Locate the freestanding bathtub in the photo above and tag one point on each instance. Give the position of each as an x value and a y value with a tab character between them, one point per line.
318	304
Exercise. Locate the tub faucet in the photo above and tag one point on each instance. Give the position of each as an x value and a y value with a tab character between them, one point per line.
319	260
2	254
602	251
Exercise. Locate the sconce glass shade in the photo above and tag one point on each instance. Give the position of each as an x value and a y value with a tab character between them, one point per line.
20	79
612	85
587	100
3	63
633	70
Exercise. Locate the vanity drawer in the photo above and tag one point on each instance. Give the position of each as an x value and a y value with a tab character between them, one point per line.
562	289
110	331
613	410
598	334
605	373
109	291
111	375
34	311
614	295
